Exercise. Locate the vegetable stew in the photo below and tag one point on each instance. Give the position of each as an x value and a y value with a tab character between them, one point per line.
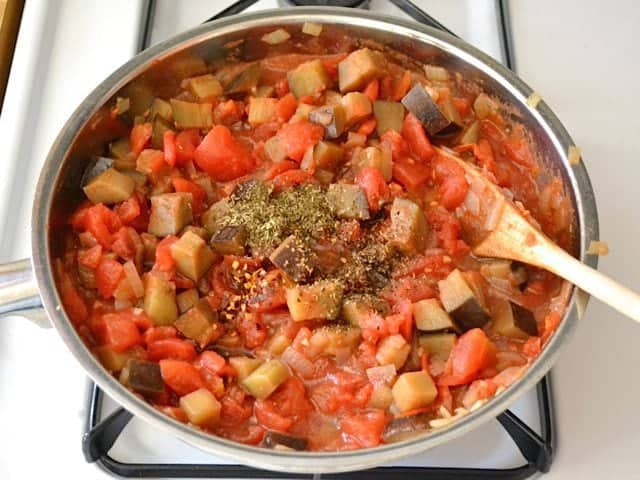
275	253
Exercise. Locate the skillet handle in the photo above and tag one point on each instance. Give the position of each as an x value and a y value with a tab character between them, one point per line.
19	293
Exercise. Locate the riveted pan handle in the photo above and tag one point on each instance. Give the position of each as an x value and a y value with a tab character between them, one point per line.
19	292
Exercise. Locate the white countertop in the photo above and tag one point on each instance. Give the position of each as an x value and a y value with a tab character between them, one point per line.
579	55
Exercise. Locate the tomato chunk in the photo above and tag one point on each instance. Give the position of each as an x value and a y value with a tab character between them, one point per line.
181	376
222	157
298	137
108	275
413	132
121	333
472	353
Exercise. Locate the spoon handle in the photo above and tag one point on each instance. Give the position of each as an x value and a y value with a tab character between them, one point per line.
605	289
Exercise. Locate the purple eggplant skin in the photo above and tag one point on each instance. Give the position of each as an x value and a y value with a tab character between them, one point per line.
419	102
276	440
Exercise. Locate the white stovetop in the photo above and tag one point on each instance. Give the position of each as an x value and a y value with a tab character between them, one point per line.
579	55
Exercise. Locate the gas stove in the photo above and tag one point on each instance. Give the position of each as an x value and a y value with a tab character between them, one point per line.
517	445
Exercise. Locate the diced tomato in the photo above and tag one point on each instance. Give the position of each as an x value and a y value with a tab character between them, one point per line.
186	143
252	330
484	153
198	194
120	332
127	244
183	282
212	361
236	407
163	332
182	377
341	391
413	132
386	87
174	412
73	303
278	168
298	137
170	149
367	127
432	264
108	276
462	105
518	150
453	184
229	112
173	348
372	182
164	260
286	107
411	288
402	320
331	64
365	428
243	433
532	347
222	157
90	257
551	322
478	390
291	400
411	173
128	210
373	327
291	178
271	294
101	222
402	86
398	145
372	90
472	352
140	136
268	415
282	87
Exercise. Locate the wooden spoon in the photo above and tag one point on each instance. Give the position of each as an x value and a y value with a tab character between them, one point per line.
513	237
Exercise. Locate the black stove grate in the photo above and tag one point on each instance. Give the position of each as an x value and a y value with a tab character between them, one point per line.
537	450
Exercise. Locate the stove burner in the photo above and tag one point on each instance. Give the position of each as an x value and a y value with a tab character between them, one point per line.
325	3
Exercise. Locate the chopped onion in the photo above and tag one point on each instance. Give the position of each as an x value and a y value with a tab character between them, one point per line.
277	36
122	304
472	203
484	106
311	28
436	73
574	154
493	215
597	247
533	100
131	274
298	362
383	374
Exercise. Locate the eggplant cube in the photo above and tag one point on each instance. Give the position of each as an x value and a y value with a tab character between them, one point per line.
280	441
261	110
378	158
201	407
357	107
511	320
331	117
192	256
388	115
430	316
308	78
264	380
293	258
348	201
170	213
413	390
321	299
160	300
408	227
212	218
359	68
230	240
461	303
145	377
393	350
109	187
205	86
438	345
419	102
198	323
